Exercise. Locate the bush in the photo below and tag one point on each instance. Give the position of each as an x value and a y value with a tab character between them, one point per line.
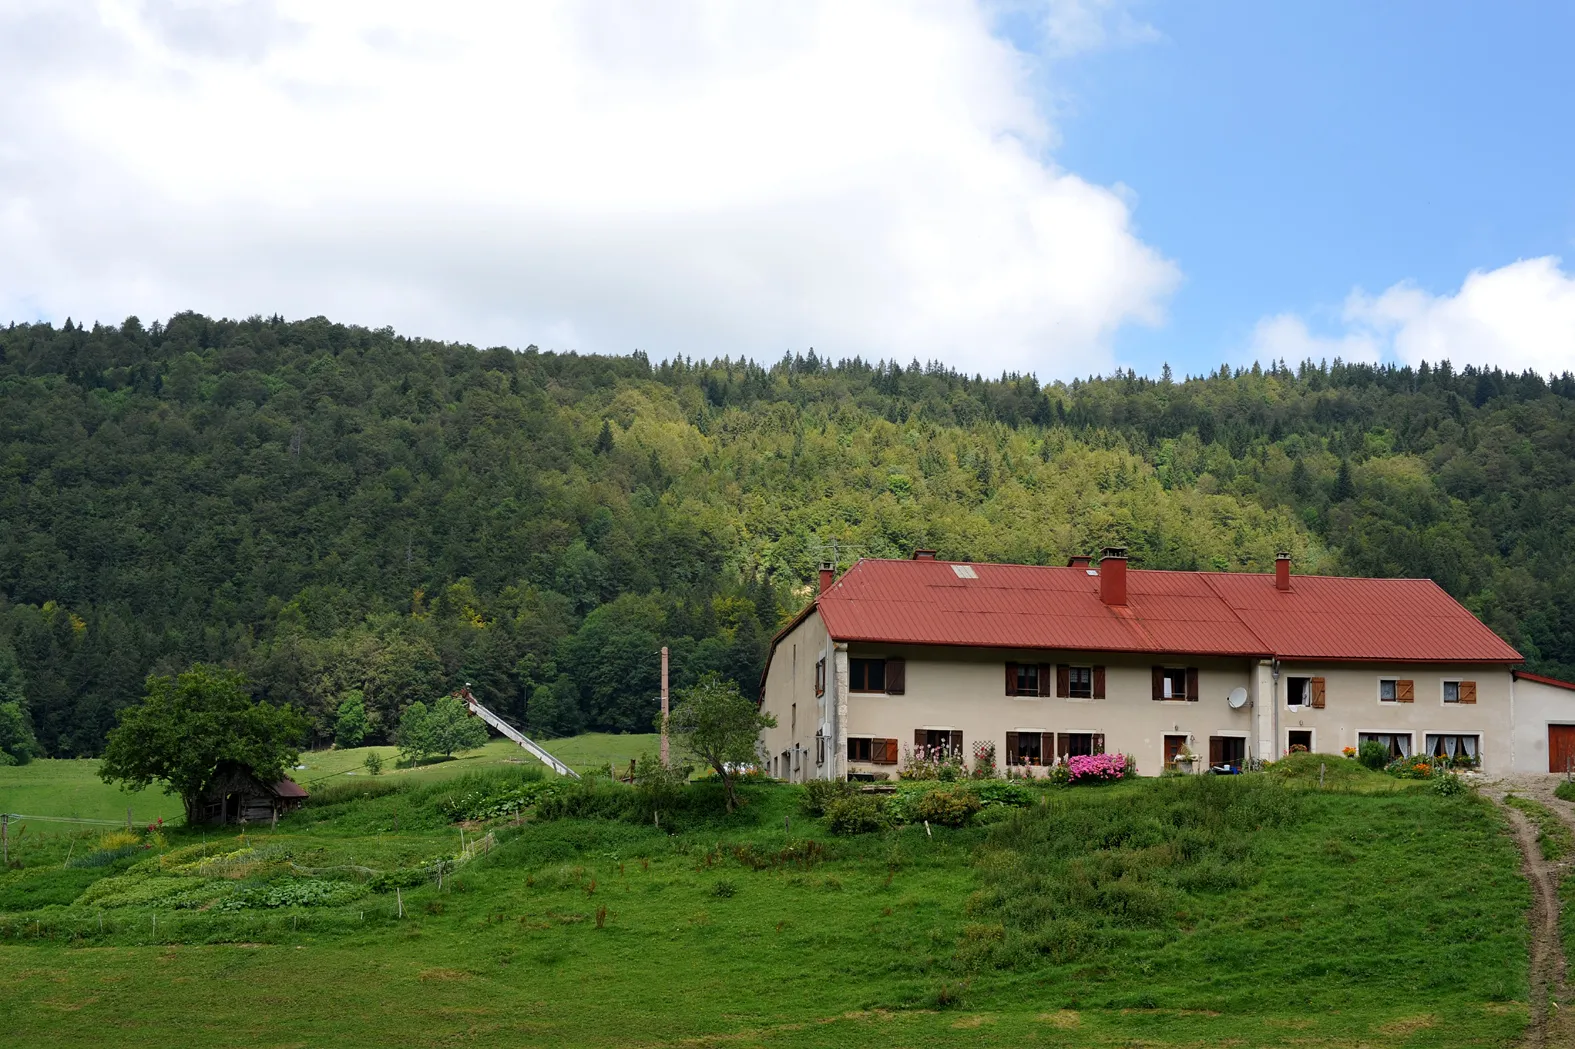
822	792
1373	754
1414	766
373	763
855	814
949	808
589	798
1100	768
1565	790
1448	784
1004	792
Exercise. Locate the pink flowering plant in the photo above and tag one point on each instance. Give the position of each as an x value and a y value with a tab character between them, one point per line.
1099	768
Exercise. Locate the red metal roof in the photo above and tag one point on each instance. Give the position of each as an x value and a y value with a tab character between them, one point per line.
1525	675
1196	613
288	788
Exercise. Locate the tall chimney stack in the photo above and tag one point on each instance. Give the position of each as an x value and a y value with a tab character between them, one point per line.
1113	575
828	575
1282	570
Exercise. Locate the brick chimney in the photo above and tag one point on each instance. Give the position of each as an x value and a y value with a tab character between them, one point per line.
1079	561
1113	575
1282	570
924	555
828	575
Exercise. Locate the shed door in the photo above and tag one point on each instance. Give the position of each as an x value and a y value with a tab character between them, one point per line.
1561	747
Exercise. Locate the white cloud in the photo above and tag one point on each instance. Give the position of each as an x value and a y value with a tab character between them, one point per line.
697	177
1517	317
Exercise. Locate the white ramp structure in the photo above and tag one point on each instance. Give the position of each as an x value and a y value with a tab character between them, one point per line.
515	734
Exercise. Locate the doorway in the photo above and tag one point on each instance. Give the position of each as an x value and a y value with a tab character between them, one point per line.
1299	737
1561	748
1228	750
1174	745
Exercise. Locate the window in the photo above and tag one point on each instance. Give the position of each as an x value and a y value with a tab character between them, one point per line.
1027	679
867	675
1460	692
1028	748
1388	691
1228	750
1296	691
938	740
1398	743
1080	682
1176	683
820	747
1451	692
820	676
793	720
1455	749
859	748
1299	741
1079	744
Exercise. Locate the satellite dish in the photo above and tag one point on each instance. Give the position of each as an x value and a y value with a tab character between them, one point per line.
1237	698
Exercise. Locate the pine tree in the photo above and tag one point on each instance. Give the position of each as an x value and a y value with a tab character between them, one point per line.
1344	488
604	440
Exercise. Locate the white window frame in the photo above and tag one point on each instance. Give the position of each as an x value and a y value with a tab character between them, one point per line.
1481	739
1312	748
1389	702
1306	696
1387	732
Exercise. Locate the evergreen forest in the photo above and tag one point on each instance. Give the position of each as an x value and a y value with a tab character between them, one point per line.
345	514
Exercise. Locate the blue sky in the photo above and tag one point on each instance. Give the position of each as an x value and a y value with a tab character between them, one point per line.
1284	153
1057	186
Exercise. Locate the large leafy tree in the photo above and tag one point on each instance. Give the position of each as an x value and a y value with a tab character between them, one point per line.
17	744
445	728
716	724
186	725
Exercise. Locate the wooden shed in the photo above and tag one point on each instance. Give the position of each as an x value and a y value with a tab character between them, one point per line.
236	795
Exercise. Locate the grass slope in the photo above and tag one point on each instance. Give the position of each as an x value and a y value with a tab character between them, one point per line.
1248	912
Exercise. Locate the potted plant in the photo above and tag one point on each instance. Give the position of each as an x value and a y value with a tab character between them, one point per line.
1185	759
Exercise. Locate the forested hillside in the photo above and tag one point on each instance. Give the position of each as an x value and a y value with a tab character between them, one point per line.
331	509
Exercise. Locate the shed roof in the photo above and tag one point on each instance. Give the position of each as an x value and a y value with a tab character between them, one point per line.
1186	613
288	788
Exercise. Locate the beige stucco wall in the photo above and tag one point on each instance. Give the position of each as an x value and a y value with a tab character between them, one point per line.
1536	707
964	689
790	698
1352	707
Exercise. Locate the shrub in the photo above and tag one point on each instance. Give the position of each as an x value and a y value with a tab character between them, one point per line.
1003	792
589	798
1099	768
822	792
1413	766
723	889
856	814
658	787
949	808
1373	754
1448	784
984	760
373	763
1059	775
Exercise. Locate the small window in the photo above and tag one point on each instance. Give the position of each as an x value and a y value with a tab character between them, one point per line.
1299	741
1451	692
1397	743
1388	691
1456	751
1296	691
820	747
964	572
1078	744
1080	682
793	722
867	675
859	748
1227	750
1024	679
1173	682
1027	748
820	676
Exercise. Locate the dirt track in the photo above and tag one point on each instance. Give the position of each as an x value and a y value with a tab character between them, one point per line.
1552	1023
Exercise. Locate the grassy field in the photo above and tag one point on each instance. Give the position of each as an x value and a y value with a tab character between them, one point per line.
1250	911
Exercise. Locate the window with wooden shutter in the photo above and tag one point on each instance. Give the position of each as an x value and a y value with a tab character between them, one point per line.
1063	681
896	676
1011	679
1011	748
1063	745
1468	692
1158	690
883	752
1315	689
1099	684
820	676
1098	743
1192	685
919	737
1405	691
957	742
1216	750
1044	679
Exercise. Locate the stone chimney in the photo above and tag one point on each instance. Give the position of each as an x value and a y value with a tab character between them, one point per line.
924	555
1282	570
1113	575
828	575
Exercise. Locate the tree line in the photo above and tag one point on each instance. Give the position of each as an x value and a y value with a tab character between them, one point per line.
340	512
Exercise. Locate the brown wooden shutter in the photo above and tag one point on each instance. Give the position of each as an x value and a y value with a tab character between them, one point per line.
956	741
1063	744
1192	684
918	738
1316	688
1405	691
896	676
1468	692
1099	742
1063	681
1216	750
1099	682
1011	748
1044	679
1046	748
820	676
1159	683
1011	679
887	752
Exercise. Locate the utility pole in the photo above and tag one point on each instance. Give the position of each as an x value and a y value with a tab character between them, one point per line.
5	841
664	706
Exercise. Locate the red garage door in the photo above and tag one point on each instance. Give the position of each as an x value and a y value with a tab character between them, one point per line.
1561	747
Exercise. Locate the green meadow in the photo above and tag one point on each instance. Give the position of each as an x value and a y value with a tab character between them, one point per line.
1244	911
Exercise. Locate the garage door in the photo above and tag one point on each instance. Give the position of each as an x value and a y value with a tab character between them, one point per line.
1561	747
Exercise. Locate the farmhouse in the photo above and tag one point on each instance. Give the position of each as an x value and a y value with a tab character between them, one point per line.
236	795
1052	662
